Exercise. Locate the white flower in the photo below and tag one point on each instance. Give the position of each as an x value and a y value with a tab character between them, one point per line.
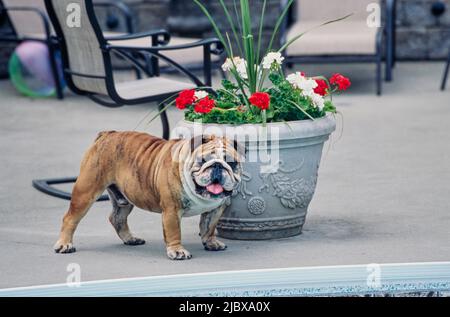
200	94
271	59
240	63
307	86
318	101
294	79
242	69
299	81
228	65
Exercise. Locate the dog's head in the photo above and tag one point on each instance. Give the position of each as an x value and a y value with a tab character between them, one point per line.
216	166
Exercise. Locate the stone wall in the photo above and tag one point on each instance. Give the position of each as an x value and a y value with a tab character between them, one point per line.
148	14
187	19
420	35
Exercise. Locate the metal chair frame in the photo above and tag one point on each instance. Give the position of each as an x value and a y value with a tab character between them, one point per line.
150	66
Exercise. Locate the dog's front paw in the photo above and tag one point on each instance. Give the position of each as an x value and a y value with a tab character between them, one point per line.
214	245
178	253
134	241
61	247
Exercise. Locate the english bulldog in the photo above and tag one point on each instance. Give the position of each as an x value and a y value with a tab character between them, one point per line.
177	178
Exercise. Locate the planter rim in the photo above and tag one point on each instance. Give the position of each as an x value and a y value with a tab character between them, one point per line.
309	121
287	130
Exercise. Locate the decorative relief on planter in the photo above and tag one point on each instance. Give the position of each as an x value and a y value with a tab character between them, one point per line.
242	187
293	192
261	225
256	205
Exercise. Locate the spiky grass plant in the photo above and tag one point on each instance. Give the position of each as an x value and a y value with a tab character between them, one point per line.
244	97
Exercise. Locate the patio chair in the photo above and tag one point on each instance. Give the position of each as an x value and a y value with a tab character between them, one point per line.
445	77
191	59
350	40
30	22
86	56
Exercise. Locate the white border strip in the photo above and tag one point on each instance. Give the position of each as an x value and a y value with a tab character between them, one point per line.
305	281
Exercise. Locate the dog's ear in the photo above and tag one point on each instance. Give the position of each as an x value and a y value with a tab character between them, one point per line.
198	140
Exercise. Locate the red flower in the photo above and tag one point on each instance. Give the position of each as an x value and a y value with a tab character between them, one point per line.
260	100
185	98
322	87
205	105
341	81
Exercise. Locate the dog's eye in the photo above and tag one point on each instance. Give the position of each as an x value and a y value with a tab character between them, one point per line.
232	164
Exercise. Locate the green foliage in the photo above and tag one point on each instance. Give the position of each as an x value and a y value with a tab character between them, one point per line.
284	105
232	102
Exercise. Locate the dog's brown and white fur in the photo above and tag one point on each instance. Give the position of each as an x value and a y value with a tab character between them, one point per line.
176	178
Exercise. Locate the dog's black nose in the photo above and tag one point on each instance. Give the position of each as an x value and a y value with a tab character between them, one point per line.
216	173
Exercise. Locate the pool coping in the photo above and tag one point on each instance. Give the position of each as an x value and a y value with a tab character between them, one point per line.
348	280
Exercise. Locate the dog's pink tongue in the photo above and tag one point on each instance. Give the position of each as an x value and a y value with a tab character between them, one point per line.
215	189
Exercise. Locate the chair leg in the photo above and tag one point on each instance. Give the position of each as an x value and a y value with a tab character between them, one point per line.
379	76
55	72
445	77
388	72
165	122
389	62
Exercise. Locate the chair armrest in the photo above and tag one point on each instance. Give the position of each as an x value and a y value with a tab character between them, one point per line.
123	8
217	50
40	13
154	34
155	49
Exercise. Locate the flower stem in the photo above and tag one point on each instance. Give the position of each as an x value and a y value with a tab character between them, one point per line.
264	118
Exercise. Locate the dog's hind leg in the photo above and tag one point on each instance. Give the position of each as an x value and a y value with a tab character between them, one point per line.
119	216
84	194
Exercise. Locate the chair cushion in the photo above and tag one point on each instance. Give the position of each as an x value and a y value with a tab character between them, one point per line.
341	38
323	10
148	87
184	57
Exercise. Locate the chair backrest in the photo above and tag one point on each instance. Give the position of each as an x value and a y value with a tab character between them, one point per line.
82	45
323	10
25	23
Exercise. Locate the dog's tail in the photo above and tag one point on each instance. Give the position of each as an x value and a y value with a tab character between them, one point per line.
103	133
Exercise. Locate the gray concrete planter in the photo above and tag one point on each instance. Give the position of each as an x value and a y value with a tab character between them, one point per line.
274	196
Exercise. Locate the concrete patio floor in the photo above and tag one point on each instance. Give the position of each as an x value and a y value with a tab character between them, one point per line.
383	194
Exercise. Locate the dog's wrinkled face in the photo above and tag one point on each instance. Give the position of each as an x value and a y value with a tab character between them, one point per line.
217	166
